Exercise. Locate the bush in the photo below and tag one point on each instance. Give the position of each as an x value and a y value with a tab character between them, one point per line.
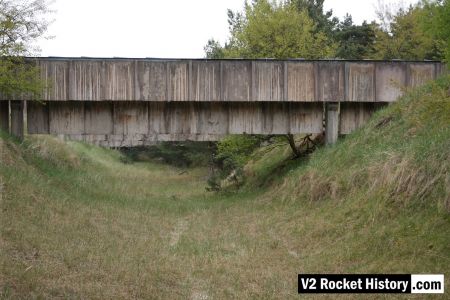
179	154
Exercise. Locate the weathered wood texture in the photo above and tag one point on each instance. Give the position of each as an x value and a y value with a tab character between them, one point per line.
89	79
130	123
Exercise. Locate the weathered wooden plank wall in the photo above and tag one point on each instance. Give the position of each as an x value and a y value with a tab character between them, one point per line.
231	80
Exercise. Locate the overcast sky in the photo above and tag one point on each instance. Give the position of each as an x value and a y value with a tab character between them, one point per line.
151	28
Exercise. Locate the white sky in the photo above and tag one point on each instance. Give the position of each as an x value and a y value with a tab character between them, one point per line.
155	28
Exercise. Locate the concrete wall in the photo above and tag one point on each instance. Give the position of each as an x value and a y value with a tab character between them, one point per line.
81	79
129	102
130	123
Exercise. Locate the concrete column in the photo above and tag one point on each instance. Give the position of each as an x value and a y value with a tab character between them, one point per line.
25	117
331	122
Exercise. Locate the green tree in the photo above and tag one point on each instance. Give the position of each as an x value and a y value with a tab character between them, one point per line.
274	30
406	37
324	20
355	41
436	20
21	24
214	50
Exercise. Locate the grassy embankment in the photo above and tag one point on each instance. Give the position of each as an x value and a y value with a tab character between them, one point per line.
76	222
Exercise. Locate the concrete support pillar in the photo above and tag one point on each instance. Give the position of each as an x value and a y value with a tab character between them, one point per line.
331	122
18	116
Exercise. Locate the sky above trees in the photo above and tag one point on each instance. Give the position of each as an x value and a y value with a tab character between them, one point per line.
151	28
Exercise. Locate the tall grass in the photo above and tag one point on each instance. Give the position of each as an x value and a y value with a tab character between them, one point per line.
78	222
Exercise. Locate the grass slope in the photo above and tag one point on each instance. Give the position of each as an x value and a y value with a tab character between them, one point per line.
76	222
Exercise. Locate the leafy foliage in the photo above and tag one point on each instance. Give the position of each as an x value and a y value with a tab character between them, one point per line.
355	41
406	37
271	29
324	20
436	20
214	50
179	154
21	24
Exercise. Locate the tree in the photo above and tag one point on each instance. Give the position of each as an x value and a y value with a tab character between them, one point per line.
274	30
324	21
436	20
214	50
22	22
406	36
355	41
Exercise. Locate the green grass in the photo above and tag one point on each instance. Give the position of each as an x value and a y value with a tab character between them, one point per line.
78	222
